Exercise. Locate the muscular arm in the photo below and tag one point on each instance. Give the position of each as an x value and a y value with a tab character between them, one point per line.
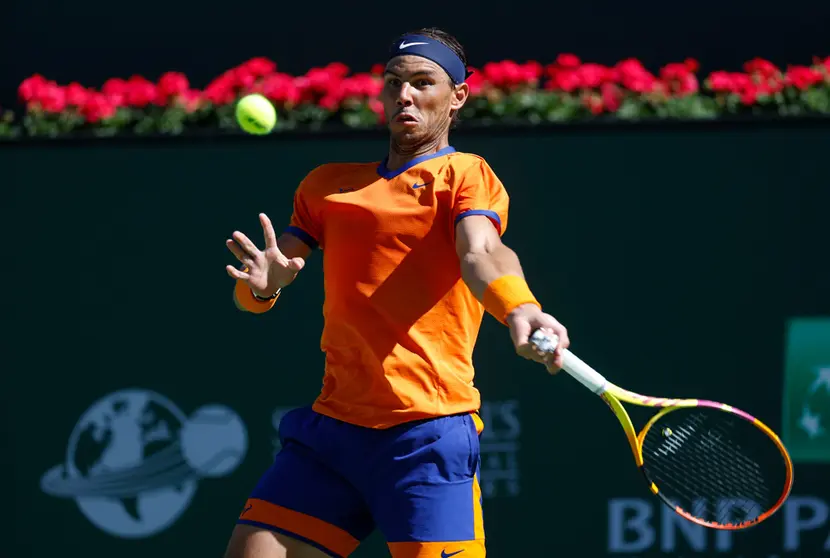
484	259
482	254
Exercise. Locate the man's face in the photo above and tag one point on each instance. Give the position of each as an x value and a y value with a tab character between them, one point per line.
419	98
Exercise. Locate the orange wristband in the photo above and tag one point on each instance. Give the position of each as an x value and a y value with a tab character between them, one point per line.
504	294
246	299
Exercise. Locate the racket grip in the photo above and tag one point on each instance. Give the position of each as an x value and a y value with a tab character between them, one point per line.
571	363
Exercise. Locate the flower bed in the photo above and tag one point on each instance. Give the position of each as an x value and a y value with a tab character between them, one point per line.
565	90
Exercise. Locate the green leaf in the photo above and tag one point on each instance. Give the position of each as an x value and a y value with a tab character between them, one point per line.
630	110
817	100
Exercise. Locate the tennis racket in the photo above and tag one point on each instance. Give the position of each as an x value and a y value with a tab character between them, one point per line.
713	464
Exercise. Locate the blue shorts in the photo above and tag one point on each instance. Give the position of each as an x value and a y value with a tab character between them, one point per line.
333	483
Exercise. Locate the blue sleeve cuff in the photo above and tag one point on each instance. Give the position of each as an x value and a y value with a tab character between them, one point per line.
302	235
492	215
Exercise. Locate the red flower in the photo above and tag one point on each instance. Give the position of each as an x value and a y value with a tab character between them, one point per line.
140	92
674	71
52	98
493	73
568	61
679	80
692	65
531	71
116	90
377	69
172	84
76	95
749	95
593	103
31	87
512	73
475	82
318	80
337	69
360	85
190	100
772	85
633	76
244	79
377	107
281	89
221	91
259	67
802	77
566	80
330	102
593	75
721	82
611	96
98	107
507	73
761	68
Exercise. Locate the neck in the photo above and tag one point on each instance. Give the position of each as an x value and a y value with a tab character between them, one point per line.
402	153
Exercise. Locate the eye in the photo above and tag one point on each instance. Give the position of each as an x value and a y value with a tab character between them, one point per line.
393	82
423	83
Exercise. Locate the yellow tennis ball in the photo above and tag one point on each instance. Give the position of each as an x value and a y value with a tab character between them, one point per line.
255	114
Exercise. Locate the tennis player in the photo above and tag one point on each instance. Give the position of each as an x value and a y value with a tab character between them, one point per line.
412	258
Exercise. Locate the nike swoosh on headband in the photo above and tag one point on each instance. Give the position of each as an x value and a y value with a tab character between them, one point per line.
405	45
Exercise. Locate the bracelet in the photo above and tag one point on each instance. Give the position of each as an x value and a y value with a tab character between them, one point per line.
504	294
265	299
252	303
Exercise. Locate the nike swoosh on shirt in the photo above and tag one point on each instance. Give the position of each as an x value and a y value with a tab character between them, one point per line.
405	44
445	554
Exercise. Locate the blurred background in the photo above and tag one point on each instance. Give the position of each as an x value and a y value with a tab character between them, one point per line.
677	151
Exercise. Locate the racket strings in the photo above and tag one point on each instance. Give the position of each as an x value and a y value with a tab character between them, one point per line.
709	488
713	464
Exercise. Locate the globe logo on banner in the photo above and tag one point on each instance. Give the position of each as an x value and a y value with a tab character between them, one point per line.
806	430
134	460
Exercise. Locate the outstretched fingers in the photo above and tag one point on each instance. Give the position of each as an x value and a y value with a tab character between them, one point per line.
268	231
245	244
236	273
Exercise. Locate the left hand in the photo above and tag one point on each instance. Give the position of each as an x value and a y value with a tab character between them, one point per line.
526	319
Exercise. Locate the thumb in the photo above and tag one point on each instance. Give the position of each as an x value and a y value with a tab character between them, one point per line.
296	264
520	332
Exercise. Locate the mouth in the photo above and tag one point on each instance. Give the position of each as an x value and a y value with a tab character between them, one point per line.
405	118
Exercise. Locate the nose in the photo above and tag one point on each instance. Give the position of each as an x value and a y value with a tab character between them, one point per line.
404	96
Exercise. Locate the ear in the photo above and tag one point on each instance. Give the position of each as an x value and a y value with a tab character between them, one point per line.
459	97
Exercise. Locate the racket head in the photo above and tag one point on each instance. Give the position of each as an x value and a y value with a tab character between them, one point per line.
715	465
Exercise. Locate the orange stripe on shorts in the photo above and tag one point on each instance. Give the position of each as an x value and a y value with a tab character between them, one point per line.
325	534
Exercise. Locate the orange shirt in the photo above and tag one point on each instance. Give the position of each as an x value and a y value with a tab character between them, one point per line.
400	323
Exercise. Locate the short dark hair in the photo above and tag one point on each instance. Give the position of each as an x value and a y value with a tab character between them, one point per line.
448	41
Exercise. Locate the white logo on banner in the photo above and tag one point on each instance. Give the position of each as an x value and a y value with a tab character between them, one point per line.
500	448
637	525
134	460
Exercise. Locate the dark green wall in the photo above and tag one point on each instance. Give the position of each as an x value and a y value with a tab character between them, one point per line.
675	257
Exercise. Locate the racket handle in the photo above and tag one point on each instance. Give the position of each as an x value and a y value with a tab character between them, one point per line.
571	363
